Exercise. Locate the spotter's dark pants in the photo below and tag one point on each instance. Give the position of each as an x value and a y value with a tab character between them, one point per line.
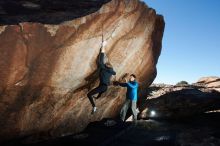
100	89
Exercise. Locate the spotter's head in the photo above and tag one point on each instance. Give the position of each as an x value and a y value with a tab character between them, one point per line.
132	77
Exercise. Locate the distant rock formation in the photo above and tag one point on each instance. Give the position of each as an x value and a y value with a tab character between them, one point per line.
210	82
181	101
47	70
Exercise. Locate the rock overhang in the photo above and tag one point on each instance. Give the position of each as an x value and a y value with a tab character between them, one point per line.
46	11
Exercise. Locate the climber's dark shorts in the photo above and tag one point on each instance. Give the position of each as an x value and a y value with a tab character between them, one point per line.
100	89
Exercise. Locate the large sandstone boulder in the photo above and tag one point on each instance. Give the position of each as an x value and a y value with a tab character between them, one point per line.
47	70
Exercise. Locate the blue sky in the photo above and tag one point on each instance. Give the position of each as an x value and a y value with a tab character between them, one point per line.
191	43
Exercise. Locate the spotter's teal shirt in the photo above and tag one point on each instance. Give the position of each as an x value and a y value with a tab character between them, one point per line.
132	90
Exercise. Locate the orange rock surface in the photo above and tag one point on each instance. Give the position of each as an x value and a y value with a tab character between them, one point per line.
46	70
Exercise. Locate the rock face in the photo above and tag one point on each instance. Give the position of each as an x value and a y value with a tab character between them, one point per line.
47	70
177	102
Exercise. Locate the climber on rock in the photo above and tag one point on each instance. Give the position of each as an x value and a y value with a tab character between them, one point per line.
105	74
131	97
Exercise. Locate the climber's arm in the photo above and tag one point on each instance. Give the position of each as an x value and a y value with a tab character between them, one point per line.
123	84
101	59
103	49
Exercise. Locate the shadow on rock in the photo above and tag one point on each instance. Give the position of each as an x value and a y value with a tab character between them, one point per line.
46	11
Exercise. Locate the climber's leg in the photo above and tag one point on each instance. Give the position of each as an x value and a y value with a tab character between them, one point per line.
99	89
103	89
91	93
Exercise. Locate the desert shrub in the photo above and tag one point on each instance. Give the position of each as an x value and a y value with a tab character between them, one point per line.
182	83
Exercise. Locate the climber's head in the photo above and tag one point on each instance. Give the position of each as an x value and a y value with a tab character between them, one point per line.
108	64
132	77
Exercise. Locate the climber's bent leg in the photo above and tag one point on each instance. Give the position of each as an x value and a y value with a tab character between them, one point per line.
103	88
100	89
90	95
